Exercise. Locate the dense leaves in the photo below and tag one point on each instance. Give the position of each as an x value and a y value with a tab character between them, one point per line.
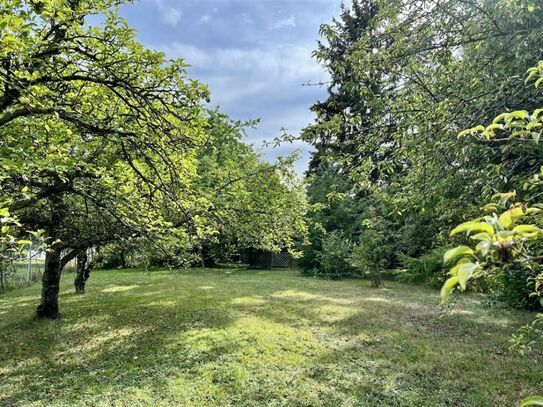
104	141
406	78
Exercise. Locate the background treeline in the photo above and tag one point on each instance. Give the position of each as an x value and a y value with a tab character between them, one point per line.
389	177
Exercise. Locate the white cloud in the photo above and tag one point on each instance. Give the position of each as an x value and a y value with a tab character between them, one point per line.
265	83
285	22
253	67
206	18
262	81
168	13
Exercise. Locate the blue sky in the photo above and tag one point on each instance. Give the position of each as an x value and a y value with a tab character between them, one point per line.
254	55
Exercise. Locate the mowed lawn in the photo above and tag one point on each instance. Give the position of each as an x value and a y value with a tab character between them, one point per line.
257	338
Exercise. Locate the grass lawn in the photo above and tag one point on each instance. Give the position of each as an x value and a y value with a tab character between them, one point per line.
252	338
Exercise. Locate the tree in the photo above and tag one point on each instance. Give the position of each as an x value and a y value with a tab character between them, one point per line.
334	205
332	260
405	78
89	118
240	201
501	239
249	203
373	251
352	91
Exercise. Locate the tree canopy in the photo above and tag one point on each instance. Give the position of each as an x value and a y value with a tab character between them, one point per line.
104	140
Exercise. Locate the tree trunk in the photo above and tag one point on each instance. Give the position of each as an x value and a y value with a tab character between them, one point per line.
2	284
206	259
2	275
48	307
202	259
82	272
123	260
378	278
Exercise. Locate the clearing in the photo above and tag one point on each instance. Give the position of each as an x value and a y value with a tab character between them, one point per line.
257	338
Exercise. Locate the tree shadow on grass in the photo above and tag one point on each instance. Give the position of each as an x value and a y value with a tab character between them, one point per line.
212	338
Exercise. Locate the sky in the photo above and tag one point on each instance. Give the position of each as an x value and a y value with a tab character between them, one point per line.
255	56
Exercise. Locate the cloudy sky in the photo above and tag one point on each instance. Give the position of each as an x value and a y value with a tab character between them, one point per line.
255	56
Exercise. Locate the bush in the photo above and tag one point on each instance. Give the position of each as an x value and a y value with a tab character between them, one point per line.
513	288
427	269
371	255
332	260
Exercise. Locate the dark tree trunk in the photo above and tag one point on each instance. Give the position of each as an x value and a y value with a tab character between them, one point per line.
123	260
378	279
48	307
202	259
206	259
82	272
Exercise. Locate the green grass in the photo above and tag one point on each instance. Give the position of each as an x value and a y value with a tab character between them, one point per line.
20	277
257	338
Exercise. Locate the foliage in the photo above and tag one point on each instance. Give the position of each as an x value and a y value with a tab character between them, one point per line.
502	240
337	206
104	141
514	287
333	258
499	240
333	206
405	79
426	269
252	203
528	337
97	133
373	251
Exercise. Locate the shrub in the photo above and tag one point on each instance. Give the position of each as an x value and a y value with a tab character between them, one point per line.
427	269
514	287
371	255
332	260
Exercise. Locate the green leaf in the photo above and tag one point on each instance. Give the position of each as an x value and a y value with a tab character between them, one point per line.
456	252
454	270
505	219
483	236
519	114
484	247
473	227
532	401
527	231
465	271
447	289
509	217
500	117
504	196
505	235
490	207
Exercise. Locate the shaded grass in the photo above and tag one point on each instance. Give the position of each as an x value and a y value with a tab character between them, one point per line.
19	277
249	338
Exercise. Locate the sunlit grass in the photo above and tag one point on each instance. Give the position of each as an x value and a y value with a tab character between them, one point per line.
240	337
